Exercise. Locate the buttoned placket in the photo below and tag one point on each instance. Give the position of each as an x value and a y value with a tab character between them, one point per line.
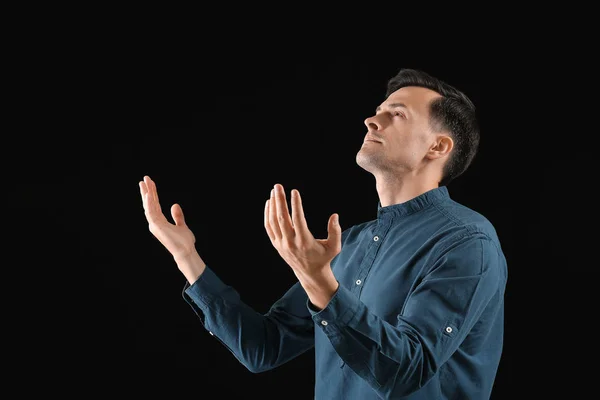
381	229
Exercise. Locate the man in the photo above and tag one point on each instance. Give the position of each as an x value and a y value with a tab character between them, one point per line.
407	306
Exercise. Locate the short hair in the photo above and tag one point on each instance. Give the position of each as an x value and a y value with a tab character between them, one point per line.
453	112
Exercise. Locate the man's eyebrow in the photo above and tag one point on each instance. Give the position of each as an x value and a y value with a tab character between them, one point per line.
393	105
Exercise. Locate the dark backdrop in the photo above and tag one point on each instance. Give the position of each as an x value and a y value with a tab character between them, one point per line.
216	137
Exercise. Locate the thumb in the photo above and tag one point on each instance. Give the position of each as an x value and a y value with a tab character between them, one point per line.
177	214
334	233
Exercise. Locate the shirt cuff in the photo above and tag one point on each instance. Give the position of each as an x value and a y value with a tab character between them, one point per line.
205	289
337	313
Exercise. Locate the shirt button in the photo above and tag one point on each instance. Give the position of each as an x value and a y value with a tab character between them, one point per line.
358	281
376	238
324	323
448	329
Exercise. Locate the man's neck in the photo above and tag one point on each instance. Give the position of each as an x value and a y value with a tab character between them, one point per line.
399	190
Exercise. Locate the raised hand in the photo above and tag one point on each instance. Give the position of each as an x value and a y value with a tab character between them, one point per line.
307	256
178	239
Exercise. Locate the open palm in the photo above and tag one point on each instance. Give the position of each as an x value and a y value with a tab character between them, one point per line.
178	239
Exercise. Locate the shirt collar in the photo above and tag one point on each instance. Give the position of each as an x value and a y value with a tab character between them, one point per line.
415	204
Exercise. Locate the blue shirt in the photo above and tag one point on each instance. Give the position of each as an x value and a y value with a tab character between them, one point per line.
418	313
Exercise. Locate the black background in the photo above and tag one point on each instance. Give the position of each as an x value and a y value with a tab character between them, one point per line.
216	136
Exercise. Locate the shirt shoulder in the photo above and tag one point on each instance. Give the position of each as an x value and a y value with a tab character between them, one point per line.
466	242
466	220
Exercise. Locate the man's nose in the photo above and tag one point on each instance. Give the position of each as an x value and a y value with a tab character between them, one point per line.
372	123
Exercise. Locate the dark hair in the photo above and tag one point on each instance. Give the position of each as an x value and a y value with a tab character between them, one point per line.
453	112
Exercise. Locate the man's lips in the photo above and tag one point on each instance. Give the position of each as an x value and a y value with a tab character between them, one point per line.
370	138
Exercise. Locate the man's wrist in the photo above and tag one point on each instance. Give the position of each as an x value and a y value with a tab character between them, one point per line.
191	266
320	288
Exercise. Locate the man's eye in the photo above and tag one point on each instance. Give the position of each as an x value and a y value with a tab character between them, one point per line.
398	114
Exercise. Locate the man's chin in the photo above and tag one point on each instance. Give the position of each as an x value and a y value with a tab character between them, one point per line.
366	161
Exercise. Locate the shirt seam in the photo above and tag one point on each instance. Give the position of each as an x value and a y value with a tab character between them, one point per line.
469	230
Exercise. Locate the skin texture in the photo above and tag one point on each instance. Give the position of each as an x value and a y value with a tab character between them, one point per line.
402	151
408	155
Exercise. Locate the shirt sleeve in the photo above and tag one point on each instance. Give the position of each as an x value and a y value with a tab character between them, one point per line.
397	359
259	341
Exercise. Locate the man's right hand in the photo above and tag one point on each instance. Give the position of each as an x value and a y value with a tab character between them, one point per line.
177	238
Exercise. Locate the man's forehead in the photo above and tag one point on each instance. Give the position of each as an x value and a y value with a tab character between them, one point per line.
412	95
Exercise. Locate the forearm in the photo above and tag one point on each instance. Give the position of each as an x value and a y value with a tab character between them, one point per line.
399	353
259	341
393	360
191	266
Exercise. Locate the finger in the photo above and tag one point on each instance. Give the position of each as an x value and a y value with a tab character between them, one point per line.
153	210
334	233
153	197
177	214
267	225
273	216
152	189
283	214
147	190
143	188
298	218
143	192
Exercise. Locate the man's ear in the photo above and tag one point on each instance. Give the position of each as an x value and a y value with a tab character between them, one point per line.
441	147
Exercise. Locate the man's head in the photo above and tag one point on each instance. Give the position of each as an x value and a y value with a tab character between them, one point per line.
424	125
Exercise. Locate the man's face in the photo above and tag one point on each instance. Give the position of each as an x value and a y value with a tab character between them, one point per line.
399	134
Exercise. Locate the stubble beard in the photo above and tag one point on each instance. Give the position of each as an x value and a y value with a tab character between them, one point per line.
370	160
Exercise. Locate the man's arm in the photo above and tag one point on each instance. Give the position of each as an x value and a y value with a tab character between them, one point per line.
397	359
258	341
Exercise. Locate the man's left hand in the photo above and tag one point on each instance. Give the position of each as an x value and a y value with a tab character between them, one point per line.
308	257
